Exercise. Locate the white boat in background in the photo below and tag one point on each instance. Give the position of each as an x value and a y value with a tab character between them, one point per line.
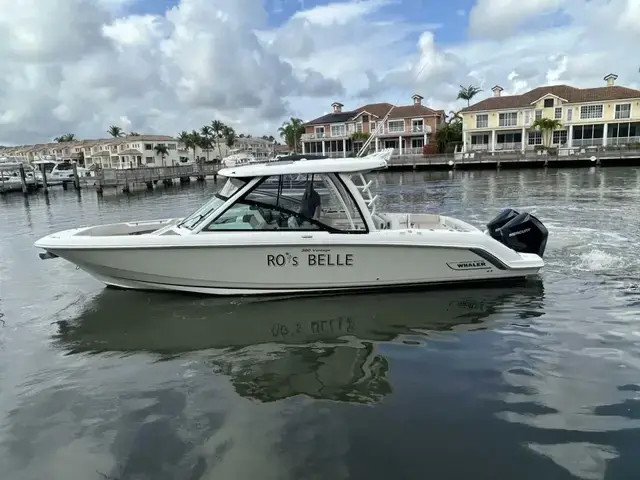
48	165
249	240
10	180
63	171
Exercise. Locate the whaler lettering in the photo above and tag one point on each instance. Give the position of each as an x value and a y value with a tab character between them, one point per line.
472	264
330	260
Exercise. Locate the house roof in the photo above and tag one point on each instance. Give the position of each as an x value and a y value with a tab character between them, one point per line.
571	94
130	151
378	110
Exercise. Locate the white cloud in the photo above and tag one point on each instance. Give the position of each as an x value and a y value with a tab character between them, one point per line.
207	59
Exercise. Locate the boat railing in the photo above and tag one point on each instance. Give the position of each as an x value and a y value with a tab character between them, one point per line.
365	190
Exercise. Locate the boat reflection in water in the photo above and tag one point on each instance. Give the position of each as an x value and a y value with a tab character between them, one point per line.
322	347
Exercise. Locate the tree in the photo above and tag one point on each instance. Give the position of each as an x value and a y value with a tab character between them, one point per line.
115	131
217	127
134	134
229	136
161	150
67	137
547	126
449	134
291	132
207	136
467	93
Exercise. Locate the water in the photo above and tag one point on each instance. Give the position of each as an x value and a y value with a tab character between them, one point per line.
534	382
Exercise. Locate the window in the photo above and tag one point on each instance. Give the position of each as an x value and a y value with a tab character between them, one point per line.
558	113
319	132
480	139
527	117
395	126
590	111
482	121
548	103
559	137
148	159
417	125
372	126
148	146
230	188
508	119
171	146
338	130
623	110
294	202
359	127
535	137
538	114
569	114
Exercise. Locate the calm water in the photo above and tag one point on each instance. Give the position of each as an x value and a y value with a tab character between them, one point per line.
534	382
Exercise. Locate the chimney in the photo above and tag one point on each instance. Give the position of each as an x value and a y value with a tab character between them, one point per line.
417	99
337	107
497	90
611	79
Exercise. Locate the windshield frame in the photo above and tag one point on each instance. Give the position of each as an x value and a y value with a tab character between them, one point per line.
229	190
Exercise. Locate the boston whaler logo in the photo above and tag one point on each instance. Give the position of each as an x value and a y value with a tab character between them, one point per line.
471	265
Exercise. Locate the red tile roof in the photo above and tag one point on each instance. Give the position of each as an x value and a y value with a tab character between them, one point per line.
378	110
571	94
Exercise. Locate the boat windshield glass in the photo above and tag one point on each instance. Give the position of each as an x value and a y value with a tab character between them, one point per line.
287	202
227	191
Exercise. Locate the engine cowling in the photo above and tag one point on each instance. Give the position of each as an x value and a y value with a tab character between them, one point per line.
522	232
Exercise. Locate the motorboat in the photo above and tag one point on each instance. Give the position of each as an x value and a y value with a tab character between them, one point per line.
10	180
249	240
63	171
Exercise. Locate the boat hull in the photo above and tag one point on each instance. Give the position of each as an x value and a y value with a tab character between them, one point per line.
328	266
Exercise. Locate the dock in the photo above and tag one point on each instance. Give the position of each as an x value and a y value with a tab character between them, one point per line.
128	177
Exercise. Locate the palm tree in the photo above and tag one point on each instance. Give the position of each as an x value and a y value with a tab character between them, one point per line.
161	150
291	132
195	141
547	126
229	136
467	93
448	134
134	134
67	137
115	131
207	134
217	128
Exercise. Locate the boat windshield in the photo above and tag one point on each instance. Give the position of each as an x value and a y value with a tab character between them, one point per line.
226	192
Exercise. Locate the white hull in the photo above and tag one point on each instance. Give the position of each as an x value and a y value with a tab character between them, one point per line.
285	262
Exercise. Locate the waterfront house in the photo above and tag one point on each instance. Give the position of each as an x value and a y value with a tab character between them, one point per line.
602	116
342	133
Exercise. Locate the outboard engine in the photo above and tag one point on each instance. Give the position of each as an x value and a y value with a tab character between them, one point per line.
521	232
504	217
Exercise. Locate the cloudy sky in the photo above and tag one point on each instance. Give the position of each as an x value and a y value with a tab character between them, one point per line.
161	66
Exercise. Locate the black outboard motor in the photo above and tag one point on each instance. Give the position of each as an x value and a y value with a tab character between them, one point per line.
504	217
522	232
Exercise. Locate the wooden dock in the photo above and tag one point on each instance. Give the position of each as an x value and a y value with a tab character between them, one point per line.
149	176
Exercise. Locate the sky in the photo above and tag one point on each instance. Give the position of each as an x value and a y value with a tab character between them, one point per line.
162	66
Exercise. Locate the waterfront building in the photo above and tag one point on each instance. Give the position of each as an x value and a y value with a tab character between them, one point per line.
342	133
590	117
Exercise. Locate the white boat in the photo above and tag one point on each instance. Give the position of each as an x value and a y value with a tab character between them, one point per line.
63	171
249	241
48	165
10	180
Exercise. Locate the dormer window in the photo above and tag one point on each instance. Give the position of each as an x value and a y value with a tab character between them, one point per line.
548	103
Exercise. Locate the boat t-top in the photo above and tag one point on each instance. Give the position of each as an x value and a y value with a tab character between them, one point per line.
249	240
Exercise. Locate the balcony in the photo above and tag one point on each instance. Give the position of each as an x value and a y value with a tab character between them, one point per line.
386	131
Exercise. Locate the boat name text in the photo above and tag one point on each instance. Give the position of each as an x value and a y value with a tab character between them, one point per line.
311	259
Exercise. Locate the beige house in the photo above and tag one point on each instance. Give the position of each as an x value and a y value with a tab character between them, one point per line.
407	129
602	116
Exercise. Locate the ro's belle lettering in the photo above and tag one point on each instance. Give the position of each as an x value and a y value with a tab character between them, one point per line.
330	259
313	260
